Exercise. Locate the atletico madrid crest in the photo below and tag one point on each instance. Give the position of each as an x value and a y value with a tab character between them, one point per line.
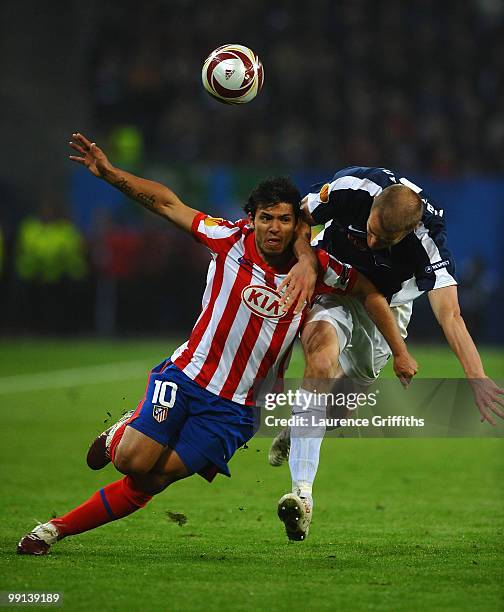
160	413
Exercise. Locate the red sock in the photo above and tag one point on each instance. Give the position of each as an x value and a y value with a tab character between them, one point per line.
113	502
116	438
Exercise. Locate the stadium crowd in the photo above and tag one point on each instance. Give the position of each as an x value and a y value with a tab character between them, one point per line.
414	86
409	85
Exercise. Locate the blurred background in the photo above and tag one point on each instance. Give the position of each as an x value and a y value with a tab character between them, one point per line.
413	86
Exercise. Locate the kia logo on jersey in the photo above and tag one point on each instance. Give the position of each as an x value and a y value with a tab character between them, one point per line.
262	301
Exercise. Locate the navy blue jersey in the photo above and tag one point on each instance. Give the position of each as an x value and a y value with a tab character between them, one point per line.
420	262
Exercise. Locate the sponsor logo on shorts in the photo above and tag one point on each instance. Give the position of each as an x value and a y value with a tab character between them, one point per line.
160	413
437	266
262	301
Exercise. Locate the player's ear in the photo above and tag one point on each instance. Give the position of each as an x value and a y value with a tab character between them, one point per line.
250	220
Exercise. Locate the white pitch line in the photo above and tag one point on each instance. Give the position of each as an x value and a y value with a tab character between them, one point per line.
71	377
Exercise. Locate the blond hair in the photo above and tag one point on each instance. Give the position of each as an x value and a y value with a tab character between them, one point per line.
399	208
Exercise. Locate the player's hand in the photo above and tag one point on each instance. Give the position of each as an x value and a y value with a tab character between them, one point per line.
90	155
405	367
486	395
298	286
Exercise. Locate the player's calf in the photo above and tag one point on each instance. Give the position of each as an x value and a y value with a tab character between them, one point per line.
168	469
114	501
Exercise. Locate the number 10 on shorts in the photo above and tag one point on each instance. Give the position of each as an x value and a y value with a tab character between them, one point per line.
160	391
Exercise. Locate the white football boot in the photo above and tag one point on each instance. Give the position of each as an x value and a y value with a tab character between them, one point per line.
296	514
280	448
39	540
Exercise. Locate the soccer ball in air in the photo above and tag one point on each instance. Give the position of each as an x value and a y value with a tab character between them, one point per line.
233	74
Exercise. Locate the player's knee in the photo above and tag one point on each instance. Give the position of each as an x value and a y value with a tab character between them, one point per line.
321	349
131	464
321	364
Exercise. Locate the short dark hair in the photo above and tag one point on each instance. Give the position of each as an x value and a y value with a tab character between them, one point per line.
271	191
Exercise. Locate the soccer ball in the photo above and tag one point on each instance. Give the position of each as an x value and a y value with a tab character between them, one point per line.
233	74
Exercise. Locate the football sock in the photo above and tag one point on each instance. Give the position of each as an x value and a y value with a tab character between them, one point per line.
113	502
306	440
116	438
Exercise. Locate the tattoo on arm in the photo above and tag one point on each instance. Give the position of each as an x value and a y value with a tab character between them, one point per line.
149	201
122	185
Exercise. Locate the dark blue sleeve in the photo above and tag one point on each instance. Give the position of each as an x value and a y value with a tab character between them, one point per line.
439	268
348	196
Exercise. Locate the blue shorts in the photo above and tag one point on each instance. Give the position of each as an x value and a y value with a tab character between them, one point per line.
204	429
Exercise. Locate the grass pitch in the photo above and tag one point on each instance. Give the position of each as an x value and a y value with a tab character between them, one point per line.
399	524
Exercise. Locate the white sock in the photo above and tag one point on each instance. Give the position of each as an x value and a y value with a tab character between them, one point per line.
305	443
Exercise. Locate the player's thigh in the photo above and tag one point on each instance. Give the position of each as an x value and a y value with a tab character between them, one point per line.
213	432
171	465
137	453
321	349
157	422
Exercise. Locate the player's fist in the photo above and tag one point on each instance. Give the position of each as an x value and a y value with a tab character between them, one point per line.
405	367
90	155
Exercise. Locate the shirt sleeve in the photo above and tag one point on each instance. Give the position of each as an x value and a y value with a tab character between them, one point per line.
334	276
437	267
219	235
344	191
319	204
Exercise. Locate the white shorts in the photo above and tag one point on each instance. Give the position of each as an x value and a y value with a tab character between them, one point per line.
363	350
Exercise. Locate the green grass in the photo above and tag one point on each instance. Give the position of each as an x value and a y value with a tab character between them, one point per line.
400	524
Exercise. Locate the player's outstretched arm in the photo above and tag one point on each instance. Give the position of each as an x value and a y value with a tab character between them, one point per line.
405	366
153	196
298	286
487	395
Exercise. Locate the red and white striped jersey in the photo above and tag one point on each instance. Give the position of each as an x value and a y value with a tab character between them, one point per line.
242	336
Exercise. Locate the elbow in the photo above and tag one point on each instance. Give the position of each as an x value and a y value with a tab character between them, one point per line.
450	317
365	291
366	299
372	301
